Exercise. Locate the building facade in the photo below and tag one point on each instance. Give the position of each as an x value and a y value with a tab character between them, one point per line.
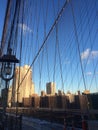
51	88
22	87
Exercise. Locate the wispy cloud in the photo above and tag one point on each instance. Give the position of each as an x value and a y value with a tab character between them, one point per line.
89	54
89	73
25	28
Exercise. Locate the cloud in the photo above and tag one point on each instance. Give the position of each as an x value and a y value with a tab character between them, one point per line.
89	73
94	54
85	54
89	54
25	28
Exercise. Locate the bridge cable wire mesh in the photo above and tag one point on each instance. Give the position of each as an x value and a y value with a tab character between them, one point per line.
44	42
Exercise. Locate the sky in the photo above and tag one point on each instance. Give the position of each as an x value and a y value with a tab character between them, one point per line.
72	30
2	15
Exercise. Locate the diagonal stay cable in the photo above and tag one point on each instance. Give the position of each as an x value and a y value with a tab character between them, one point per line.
21	46
12	25
44	42
77	41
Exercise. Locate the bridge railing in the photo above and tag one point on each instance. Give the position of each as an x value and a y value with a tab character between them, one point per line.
13	122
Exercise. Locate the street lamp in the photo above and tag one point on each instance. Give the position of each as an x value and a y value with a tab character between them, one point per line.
8	62
8	65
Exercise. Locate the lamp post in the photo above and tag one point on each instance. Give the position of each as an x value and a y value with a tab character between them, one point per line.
8	62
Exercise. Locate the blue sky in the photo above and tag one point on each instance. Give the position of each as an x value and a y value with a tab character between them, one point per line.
2	15
64	33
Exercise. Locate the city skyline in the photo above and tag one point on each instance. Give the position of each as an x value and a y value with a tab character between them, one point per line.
26	86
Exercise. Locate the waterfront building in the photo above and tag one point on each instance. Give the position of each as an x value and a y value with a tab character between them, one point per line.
9	96
51	88
43	93
22	87
86	92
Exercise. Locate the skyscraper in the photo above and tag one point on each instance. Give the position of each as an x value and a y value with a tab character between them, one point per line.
23	87
51	88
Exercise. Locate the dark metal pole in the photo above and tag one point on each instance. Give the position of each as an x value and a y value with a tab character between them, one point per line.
5	99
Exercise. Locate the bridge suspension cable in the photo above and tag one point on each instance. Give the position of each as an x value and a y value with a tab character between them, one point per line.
44	42
56	45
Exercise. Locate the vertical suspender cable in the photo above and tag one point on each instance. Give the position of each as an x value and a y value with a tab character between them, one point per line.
44	42
77	41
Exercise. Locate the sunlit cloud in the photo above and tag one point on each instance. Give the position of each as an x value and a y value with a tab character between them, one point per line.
25	28
89	73
85	54
88	54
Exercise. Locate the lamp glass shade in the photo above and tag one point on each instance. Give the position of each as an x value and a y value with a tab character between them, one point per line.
8	70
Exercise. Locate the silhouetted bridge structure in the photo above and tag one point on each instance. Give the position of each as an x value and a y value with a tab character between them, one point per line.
55	114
